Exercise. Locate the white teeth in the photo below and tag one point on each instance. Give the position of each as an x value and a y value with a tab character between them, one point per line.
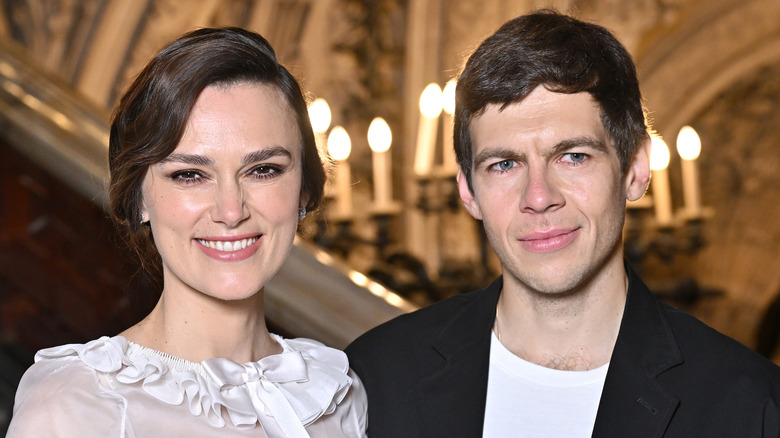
228	246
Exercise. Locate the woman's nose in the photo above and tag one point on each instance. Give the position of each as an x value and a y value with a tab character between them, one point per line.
229	204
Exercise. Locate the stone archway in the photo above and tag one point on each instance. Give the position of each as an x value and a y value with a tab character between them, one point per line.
718	69
708	48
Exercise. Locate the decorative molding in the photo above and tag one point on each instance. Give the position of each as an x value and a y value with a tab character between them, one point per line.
372	41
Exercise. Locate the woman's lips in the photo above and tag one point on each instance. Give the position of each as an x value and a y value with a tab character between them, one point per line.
230	249
548	241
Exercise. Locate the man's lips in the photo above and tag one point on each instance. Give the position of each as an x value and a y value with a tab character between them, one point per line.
549	240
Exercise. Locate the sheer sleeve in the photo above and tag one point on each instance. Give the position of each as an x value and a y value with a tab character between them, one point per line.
358	406
63	398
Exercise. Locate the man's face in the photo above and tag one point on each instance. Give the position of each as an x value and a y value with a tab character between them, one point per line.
548	188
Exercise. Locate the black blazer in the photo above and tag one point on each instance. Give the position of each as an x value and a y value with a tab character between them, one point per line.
669	376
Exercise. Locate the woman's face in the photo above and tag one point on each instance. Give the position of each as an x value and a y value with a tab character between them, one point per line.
223	206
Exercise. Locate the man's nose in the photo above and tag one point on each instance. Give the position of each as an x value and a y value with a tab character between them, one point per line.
541	192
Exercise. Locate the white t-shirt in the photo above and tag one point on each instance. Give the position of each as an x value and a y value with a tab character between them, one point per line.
529	400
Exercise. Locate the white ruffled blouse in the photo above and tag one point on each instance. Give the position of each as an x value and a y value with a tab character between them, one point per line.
111	387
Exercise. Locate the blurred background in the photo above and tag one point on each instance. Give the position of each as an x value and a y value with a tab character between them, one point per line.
392	235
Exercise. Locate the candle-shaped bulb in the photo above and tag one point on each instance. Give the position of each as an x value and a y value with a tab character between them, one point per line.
448	97
689	147
449	162
659	154
339	147
379	135
688	143
659	161
427	129
319	114
339	144
379	139
431	101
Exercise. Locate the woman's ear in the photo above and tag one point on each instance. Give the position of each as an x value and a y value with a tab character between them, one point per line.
144	214
146	187
303	200
638	174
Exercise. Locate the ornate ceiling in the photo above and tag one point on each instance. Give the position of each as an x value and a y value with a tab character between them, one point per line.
713	64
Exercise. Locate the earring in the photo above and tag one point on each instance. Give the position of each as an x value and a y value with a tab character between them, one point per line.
301	213
143	218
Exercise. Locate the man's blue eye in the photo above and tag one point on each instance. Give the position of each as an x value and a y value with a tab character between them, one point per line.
505	165
577	157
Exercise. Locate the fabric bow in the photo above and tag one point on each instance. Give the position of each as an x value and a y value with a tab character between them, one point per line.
259	379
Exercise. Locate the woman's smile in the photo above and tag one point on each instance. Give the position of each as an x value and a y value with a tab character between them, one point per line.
230	250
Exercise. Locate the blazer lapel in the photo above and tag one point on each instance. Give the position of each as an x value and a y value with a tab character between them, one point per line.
633	403
453	397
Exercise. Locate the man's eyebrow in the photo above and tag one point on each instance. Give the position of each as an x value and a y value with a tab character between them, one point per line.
578	142
497	152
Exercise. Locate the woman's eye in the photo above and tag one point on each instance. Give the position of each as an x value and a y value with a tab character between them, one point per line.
504	165
186	176
265	171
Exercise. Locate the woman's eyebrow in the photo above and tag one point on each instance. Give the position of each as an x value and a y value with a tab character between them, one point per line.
202	160
191	159
265	154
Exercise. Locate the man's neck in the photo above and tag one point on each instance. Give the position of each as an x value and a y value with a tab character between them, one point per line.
572	331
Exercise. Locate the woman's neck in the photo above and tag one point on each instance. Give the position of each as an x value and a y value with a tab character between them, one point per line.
197	327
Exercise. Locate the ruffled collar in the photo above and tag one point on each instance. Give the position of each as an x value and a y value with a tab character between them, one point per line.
295	388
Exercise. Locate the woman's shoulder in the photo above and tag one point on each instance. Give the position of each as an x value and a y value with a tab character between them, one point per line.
54	378
59	368
102	354
61	393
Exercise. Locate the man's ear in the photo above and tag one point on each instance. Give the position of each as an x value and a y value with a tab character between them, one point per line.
638	174
467	196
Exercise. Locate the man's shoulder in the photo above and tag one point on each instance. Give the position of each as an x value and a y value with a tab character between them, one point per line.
393	358
702	345
704	352
422	324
